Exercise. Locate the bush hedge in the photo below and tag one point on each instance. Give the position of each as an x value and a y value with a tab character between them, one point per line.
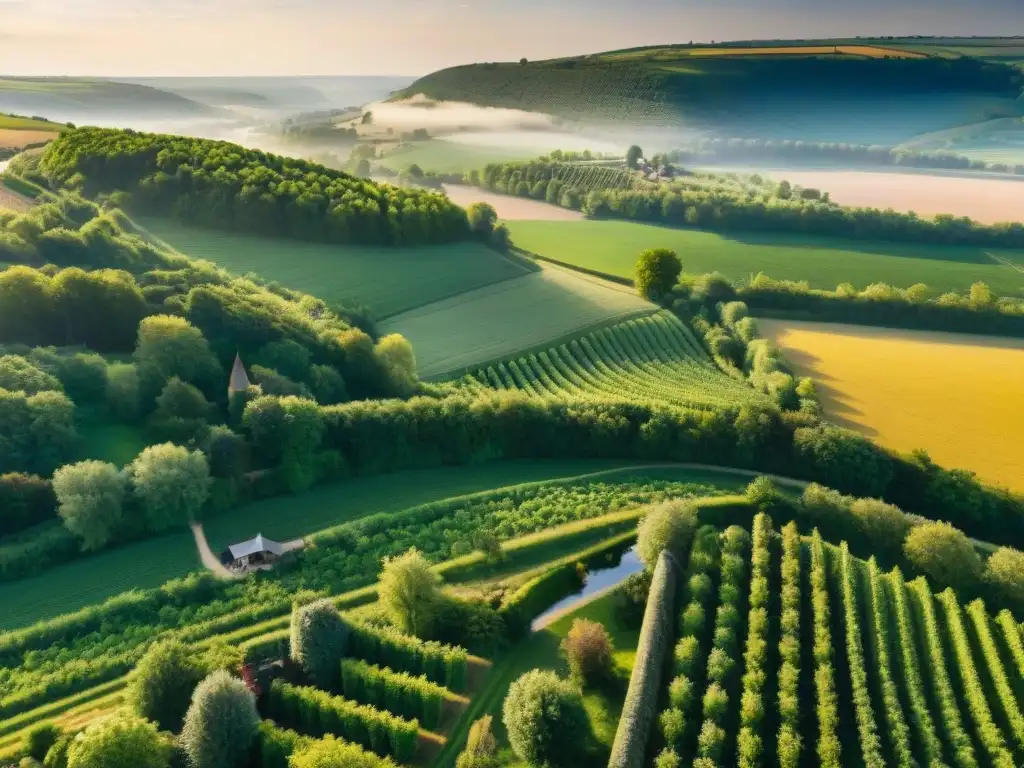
276	745
398	692
317	713
442	664
641	702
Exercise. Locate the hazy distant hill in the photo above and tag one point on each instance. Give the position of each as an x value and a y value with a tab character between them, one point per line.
825	91
80	100
282	94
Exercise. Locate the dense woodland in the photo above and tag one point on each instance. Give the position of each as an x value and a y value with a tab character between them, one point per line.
224	186
729	208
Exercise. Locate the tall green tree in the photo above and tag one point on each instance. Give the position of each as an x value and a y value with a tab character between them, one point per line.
319	638
90	498
633	155
657	271
410	592
221	723
163	683
171	483
120	741
545	720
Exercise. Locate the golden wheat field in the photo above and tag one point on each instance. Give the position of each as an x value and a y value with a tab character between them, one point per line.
958	396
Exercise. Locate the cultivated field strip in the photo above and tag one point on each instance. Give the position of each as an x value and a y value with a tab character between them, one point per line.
895	676
652	359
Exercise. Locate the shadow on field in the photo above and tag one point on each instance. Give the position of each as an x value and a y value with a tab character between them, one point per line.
837	406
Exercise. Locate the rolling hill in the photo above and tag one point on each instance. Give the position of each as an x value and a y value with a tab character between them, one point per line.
807	91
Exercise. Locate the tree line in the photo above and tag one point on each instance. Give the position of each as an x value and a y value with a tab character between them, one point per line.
723	208
716	150
224	186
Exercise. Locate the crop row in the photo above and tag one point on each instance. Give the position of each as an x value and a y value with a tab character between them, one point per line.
829	750
899	731
652	358
750	744
688	661
316	713
789	742
721	666
997	672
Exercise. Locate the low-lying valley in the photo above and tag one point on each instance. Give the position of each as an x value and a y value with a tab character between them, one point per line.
463	431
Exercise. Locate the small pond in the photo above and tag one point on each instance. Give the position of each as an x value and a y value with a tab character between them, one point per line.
597	580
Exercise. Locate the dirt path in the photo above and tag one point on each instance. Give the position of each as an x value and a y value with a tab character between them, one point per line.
210	561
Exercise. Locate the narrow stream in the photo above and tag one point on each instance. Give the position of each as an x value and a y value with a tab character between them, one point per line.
597	580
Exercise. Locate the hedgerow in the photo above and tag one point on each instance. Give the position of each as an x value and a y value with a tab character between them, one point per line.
639	707
275	745
442	664
317	713
538	594
397	692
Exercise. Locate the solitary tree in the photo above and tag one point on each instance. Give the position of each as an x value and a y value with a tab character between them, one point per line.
319	638
409	591
90	498
120	741
1005	571
172	483
545	719
657	271
221	723
633	155
163	683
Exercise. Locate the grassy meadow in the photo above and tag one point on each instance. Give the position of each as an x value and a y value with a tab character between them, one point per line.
613	247
510	317
452	156
956	396
388	280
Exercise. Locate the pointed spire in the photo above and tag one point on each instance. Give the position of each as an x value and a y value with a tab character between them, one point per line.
239	381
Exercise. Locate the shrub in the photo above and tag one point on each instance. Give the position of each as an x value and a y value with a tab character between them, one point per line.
545	719
317	713
319	638
440	663
668	758
665	527
25	501
120	741
41	738
221	724
276	745
657	271
398	692
163	683
330	752
943	553
409	592
883	525
588	650
631	598
481	749
642	696
472	624
1004	571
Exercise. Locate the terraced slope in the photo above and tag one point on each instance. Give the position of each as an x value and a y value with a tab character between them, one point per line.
652	358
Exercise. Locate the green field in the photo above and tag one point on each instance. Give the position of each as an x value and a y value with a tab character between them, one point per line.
151	562
454	156
117	443
653	359
613	247
388	280
74	585
505	319
16	123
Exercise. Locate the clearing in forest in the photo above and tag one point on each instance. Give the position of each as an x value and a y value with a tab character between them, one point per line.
388	280
613	246
955	395
504	319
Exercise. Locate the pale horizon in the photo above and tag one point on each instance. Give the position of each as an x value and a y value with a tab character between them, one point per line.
408	38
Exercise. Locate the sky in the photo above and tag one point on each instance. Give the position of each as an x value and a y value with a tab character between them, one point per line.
412	37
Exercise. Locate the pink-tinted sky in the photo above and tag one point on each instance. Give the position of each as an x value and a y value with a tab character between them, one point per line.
361	37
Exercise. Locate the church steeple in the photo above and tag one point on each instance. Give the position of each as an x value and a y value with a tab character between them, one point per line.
239	381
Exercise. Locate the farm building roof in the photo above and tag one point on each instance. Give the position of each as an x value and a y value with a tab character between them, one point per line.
251	547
